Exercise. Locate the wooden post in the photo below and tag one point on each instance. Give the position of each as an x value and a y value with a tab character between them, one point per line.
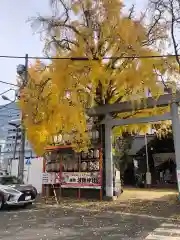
79	164
43	170
60	174
101	171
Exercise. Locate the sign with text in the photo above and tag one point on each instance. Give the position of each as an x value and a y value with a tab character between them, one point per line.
48	178
81	180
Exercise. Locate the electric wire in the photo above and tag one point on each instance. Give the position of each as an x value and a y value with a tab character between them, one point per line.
8	83
78	59
11	89
83	59
87	59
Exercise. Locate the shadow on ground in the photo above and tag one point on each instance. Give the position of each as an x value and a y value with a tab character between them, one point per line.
18	208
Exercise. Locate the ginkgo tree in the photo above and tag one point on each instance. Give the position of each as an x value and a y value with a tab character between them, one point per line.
95	48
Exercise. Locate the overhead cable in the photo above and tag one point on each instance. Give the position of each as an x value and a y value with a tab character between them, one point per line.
11	89
95	59
8	83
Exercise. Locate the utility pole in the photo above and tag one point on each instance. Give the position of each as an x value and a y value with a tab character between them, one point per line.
22	153
15	144
22	70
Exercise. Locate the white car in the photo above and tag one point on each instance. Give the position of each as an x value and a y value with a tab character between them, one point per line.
14	193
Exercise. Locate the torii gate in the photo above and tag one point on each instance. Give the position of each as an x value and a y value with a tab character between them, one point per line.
109	122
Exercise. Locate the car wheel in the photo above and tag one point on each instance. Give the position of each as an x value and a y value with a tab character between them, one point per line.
1	202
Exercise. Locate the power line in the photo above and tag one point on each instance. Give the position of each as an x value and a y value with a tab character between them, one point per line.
5	106
7	91
83	59
78	59
87	59
8	83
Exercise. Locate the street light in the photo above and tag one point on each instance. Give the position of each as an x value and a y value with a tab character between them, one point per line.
5	98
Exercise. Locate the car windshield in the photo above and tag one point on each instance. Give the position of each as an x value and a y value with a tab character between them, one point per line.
4	180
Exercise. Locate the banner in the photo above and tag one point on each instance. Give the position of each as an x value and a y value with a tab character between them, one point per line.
81	180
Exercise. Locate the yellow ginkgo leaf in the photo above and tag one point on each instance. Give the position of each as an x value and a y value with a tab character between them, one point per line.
94	68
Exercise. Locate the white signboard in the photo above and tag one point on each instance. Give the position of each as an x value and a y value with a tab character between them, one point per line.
48	178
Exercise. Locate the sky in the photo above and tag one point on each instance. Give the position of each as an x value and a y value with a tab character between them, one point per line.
17	37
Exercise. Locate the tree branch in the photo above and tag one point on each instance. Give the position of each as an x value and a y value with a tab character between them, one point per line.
173	20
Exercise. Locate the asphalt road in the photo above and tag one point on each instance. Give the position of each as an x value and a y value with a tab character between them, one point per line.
52	223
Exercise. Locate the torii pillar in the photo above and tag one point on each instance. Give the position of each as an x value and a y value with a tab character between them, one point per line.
176	136
108	161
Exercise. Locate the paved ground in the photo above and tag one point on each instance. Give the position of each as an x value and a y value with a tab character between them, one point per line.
82	223
54	223
166	231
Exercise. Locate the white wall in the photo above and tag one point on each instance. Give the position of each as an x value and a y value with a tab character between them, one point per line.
2	145
32	173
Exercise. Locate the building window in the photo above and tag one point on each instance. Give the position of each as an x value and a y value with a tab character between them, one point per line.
11	137
11	130
14	130
8	145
